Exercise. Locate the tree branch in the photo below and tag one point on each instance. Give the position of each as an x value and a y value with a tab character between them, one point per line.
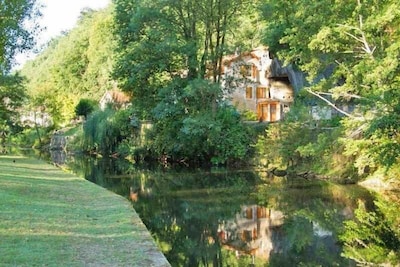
362	38
333	105
343	95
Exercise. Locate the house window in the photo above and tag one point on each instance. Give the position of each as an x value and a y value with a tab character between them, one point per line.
262	92
249	213
249	92
254	69
261	212
246	70
285	108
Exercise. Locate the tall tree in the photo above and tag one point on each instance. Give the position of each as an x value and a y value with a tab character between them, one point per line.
75	65
15	37
164	40
350	51
170	59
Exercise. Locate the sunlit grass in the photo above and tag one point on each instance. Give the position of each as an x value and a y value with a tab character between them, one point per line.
52	218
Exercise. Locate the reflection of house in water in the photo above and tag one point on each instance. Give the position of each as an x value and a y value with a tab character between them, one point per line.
260	232
251	231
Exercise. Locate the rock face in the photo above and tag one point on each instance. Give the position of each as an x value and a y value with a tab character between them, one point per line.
296	77
58	141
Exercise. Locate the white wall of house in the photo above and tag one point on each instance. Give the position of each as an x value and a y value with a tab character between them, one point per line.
321	113
280	91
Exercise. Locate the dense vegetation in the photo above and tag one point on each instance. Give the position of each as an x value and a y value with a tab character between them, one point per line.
166	50
15	37
74	65
350	52
167	55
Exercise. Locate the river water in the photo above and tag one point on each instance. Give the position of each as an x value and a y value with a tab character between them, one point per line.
218	217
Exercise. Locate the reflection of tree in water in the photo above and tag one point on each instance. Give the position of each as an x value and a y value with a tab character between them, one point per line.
373	237
185	220
58	157
314	213
303	242
210	219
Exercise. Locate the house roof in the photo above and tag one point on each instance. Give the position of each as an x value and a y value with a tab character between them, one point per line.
116	96
254	56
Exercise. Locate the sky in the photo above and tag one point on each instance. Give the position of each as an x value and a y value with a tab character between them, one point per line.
59	16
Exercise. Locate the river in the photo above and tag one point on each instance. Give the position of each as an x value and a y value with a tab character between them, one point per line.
219	217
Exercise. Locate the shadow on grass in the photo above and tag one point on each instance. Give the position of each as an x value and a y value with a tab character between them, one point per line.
48	217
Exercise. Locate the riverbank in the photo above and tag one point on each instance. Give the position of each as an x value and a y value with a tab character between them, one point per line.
52	218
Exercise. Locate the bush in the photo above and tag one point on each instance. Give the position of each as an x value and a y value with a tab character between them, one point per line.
32	138
85	107
105	130
193	124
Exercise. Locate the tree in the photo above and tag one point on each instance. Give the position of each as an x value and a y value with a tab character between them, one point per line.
15	37
105	129
170	60
162	41
73	66
85	107
187	130
12	95
348	49
372	237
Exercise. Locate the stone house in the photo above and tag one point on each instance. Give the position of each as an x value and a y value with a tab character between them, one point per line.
256	82
115	98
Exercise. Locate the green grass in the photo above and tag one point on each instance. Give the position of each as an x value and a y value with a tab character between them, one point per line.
73	130
52	218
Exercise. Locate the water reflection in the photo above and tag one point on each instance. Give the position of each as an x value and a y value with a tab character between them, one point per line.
220	218
250	232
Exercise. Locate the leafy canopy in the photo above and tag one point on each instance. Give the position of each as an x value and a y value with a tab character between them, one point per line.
15	37
75	65
350	51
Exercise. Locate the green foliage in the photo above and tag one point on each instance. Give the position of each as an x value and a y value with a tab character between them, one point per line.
166	50
278	146
162	41
28	137
384	134
191	126
16	35
12	96
73	66
104	130
372	238
85	107
305	144
349	52
249	115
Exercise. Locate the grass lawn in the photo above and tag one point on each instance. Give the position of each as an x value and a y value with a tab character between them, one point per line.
52	218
